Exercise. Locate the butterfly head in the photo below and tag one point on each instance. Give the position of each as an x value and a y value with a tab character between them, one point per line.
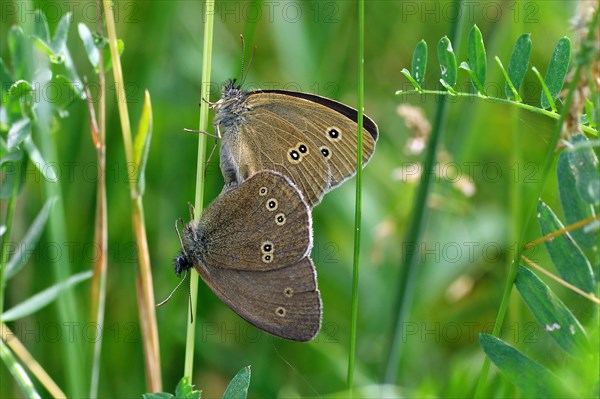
231	90
181	264
230	106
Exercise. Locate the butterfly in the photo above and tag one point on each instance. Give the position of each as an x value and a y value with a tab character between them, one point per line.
308	138
252	246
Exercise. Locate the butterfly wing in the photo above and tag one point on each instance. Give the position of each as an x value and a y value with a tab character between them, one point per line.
330	125
262	224
268	141
284	302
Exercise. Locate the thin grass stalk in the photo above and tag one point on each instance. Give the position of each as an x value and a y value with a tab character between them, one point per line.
583	54
21	352
68	310
145	293
409	268
358	195
18	372
101	227
209	7
10	211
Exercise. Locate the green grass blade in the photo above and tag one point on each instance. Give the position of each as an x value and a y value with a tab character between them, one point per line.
18	372
358	195
532	379
23	252
574	208
557	70
43	298
409	268
518	64
551	312
141	143
447	61
209	7
476	58
238	387
584	164
419	62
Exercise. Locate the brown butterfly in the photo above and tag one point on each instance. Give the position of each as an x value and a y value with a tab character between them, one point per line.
308	138
252	248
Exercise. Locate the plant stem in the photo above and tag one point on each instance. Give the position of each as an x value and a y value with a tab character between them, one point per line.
6	237
547	165
531	108
358	203
101	228
145	293
199	198
408	272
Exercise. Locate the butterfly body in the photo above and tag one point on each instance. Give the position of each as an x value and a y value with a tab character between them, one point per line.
252	248
308	138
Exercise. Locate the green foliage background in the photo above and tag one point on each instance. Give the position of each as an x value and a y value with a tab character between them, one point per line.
308	46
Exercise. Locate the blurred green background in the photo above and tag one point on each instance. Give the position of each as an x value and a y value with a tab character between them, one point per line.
308	46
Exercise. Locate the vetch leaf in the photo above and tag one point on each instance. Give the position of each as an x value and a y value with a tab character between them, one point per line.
47	170
20	52
141	145
571	263
552	313
40	26
25	247
532	379
574	207
476	58
158	395
473	76
59	40
238	387
419	62
90	46
185	390
557	70
106	54
584	165
518	63
5	78
447	61
18	132
44	298
412	80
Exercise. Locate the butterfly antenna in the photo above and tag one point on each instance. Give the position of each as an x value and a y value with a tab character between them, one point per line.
242	77
249	63
172	292
190	297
